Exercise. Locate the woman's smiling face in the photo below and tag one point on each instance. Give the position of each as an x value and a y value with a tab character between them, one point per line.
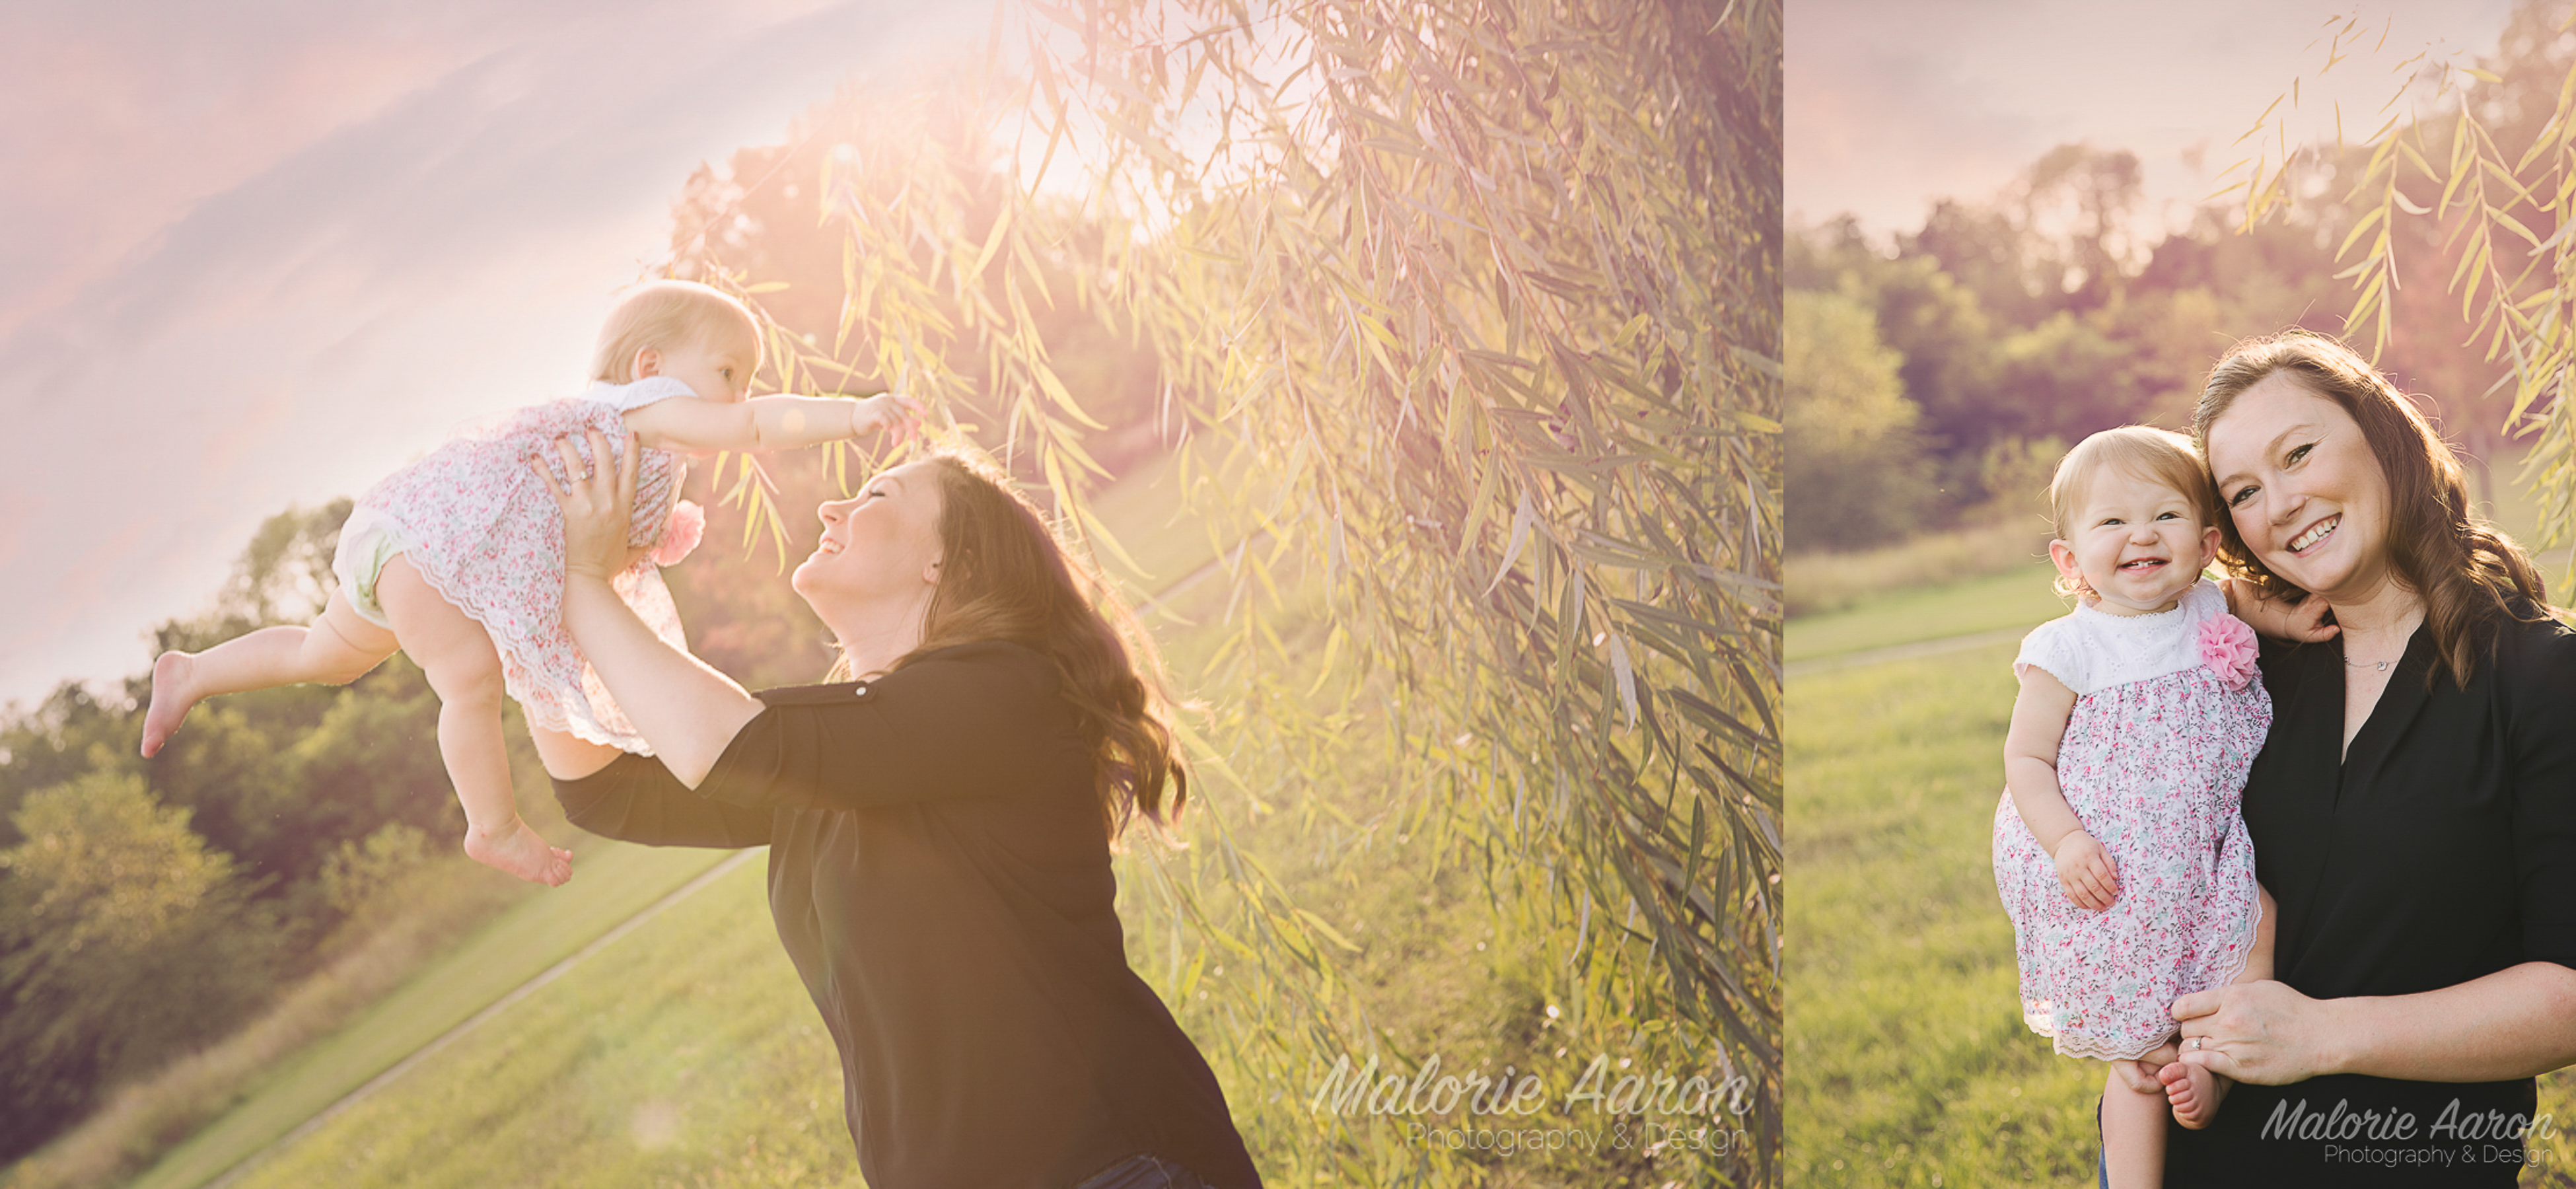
882	543
2307	495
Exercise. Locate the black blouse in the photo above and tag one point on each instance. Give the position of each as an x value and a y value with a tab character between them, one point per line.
2440	849
940	876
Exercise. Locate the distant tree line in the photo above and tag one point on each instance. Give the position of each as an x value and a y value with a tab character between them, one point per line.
151	907
147	907
1935	375
1936	378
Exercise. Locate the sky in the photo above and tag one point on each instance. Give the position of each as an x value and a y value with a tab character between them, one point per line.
260	254
1893	104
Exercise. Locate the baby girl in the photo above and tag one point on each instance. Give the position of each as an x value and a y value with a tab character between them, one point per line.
457	560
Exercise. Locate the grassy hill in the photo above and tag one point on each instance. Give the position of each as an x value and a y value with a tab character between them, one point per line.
686	1053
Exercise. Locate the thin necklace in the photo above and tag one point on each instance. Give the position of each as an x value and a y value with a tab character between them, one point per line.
2382	666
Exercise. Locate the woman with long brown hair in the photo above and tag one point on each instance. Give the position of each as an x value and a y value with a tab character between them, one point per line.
939	820
2413	809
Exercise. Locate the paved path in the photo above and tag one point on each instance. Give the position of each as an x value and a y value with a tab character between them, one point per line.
1901	652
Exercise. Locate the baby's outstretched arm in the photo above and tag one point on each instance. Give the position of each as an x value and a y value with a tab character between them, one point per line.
2086	870
764	423
2273	617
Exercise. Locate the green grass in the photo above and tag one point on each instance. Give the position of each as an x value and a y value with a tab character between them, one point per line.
615	881
1909	1062
685	1053
1821	583
2018	598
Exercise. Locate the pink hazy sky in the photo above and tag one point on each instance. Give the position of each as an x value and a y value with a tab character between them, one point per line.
1893	104
261	253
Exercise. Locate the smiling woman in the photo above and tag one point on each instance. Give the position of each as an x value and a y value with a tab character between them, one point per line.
877	566
2413	808
939	831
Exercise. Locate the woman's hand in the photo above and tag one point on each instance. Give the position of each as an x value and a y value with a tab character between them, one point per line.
2086	871
2259	1032
597	509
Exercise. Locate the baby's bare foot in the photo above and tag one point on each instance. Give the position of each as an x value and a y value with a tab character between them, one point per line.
519	851
2194	1092
173	695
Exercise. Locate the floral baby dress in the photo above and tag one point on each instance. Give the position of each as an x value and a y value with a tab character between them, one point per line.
2168	715
485	533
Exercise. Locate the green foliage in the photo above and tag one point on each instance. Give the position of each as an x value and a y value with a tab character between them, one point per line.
112	914
1492	290
358	874
1467	313
1856	472
767	223
68	735
2461	210
247	805
2056	240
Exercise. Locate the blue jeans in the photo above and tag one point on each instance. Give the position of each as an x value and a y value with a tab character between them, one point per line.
2101	1158
1147	1171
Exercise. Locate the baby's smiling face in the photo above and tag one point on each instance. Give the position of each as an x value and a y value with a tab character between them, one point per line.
2137	543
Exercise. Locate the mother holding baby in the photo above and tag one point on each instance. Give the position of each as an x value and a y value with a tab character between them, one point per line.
939	830
2413	810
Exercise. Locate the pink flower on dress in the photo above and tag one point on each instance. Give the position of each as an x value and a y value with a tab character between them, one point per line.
2227	647
688	523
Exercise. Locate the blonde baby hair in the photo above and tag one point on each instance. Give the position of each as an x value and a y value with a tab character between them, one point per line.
666	314
2157	455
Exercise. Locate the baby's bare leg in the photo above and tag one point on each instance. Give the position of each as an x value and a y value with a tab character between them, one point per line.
569	757
2133	1133
456	654
2196	1092
337	649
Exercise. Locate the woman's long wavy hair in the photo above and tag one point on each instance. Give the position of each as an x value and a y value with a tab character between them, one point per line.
2468	574
1004	576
